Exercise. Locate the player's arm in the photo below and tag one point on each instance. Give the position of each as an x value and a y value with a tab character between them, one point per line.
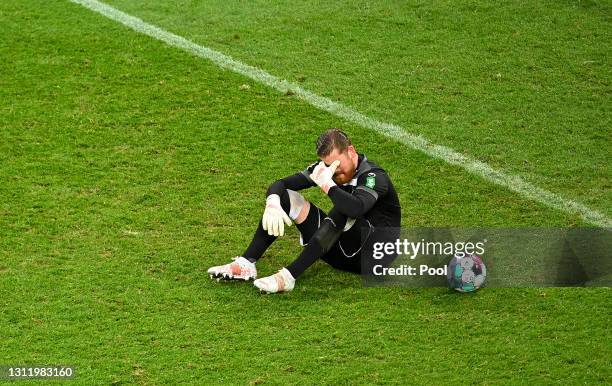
353	205
295	182
369	188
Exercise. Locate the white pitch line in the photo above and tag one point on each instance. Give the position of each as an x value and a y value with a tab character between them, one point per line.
481	169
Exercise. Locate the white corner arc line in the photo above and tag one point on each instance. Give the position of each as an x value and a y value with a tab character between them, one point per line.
481	169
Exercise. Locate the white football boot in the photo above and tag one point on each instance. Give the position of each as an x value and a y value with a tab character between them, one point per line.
282	281
239	269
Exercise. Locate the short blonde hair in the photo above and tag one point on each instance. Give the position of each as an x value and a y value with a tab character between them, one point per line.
332	139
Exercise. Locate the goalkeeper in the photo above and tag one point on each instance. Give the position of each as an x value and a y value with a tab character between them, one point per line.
363	199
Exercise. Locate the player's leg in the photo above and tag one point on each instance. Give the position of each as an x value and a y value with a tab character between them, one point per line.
243	267
354	251
298	209
321	241
346	254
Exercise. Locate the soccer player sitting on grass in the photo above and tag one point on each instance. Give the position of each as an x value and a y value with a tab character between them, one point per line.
363	198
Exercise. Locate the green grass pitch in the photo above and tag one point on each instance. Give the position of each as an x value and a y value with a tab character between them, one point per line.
128	167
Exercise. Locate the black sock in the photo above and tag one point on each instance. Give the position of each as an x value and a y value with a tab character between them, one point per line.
319	244
261	241
311	223
309	255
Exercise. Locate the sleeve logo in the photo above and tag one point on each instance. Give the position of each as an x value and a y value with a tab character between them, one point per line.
370	180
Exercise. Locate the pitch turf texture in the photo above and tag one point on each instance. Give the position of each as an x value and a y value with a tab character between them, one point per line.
128	167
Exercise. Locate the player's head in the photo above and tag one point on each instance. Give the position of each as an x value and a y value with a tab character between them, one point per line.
333	145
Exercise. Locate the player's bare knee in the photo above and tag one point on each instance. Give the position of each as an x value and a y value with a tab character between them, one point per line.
303	213
299	207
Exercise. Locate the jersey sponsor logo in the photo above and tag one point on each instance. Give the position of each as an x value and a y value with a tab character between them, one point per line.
370	180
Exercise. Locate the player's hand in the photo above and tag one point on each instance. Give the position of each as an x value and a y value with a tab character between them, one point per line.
274	216
322	175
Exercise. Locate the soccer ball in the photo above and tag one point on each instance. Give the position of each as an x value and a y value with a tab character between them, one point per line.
467	273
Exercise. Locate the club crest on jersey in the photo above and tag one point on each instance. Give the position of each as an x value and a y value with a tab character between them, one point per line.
371	180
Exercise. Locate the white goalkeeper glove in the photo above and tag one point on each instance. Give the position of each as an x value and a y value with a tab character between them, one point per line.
322	175
274	216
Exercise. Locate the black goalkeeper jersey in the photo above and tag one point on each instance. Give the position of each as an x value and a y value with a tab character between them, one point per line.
370	194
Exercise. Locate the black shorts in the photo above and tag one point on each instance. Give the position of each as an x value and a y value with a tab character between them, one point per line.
345	254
